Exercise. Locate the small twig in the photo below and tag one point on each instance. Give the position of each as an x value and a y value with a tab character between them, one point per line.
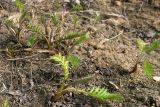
114	85
105	40
116	36
27	57
141	7
31	79
4	88
13	93
12	75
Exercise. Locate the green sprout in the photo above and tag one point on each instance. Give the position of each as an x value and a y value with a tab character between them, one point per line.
35	35
31	40
76	7
96	92
5	103
55	19
147	48
19	5
16	27
74	21
74	60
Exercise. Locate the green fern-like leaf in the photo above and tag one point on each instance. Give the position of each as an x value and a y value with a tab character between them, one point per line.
31	40
55	19
82	39
96	92
102	94
34	28
141	44
63	62
76	7
5	103
74	60
73	35
148	69
24	17
83	80
19	5
154	45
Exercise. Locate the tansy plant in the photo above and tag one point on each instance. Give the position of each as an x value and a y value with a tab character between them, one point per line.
5	103
97	92
44	28
53	35
15	24
147	48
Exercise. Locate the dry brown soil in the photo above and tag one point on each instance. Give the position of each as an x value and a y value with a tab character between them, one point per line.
111	52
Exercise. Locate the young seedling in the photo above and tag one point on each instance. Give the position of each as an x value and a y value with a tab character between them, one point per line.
16	26
76	7
96	92
35	34
5	103
147	48
74	39
74	21
97	17
63	43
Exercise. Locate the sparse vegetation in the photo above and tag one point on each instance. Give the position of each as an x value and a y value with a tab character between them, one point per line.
147	48
97	92
79	53
5	103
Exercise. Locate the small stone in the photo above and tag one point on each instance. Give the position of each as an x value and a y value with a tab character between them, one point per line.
156	78
118	3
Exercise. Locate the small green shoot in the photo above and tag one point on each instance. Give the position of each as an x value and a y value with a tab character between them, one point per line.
153	46
78	37
83	38
34	28
31	40
102	94
141	44
74	21
5	103
73	35
83	79
16	27
97	92
147	48
63	62
74	60
148	69
76	7
55	19
19	5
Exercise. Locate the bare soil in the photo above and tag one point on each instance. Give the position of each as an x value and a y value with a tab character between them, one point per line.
29	79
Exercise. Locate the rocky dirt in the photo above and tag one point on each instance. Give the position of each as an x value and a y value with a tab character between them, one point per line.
29	79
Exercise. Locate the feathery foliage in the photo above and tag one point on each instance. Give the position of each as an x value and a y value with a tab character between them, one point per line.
74	60
5	103
102	94
97	92
76	7
154	45
83	80
63	62
147	48
141	44
148	69
31	40
55	19
34	28
19	5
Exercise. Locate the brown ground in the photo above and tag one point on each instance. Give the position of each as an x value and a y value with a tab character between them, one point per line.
30	82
